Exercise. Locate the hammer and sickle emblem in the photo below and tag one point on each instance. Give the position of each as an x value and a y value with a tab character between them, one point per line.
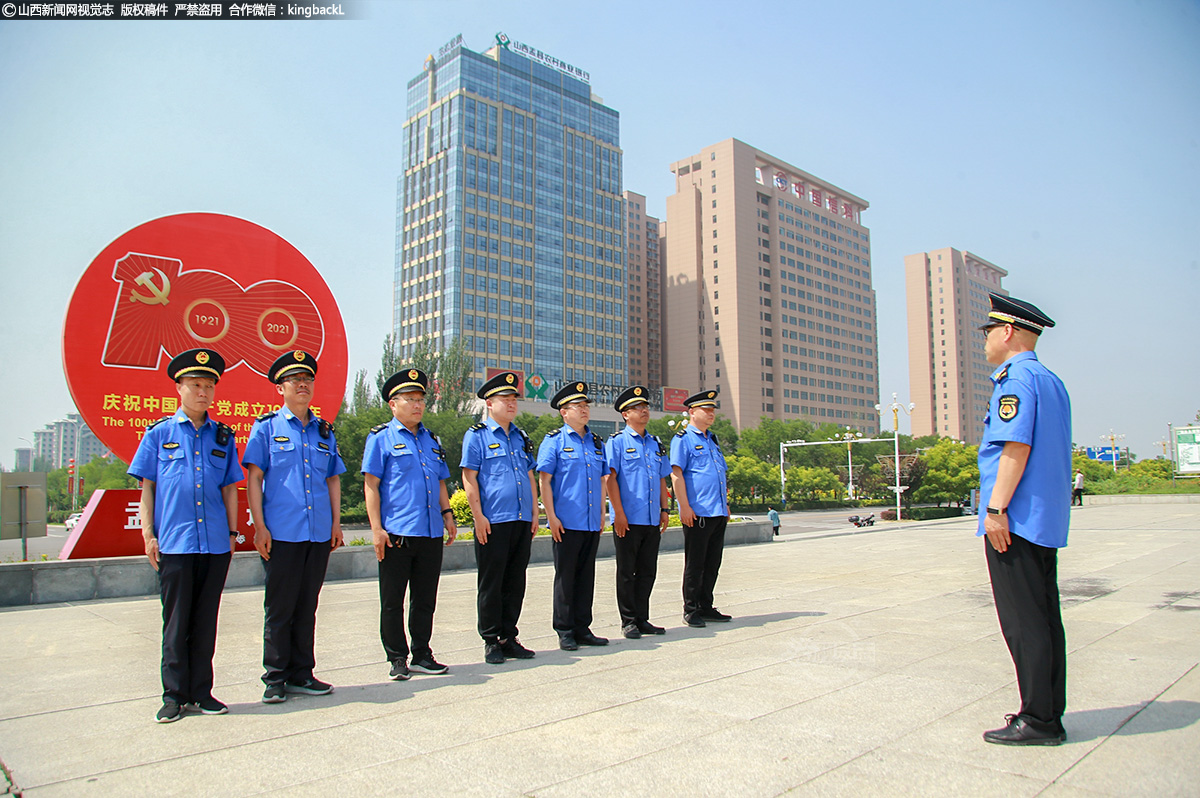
158	295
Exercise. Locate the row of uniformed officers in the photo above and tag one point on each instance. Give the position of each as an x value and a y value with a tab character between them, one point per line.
189	467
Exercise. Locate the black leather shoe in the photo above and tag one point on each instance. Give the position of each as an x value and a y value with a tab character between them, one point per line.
589	639
647	628
567	643
631	631
1019	732
715	616
694	620
514	650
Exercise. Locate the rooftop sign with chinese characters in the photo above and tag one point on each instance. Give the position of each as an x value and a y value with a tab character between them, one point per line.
188	281
535	54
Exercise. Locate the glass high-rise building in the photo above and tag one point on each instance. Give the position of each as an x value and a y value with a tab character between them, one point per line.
510	220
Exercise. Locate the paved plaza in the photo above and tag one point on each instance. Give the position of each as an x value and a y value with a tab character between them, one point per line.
863	662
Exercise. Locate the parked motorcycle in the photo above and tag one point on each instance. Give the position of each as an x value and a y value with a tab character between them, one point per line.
864	521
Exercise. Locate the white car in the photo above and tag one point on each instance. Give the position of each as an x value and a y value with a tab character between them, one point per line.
72	520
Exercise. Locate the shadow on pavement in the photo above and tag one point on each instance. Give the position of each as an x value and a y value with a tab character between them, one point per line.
1156	716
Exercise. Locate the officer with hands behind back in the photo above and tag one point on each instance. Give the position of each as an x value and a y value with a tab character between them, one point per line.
637	467
698	477
571	466
1024	462
497	467
188	465
404	478
294	491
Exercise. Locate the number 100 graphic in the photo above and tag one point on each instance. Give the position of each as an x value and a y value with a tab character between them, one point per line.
161	305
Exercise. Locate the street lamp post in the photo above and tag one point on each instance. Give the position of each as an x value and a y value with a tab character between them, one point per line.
896	407
849	436
1112	438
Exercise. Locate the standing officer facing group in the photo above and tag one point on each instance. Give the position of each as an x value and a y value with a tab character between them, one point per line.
636	469
698	477
572	468
188	465
404	478
497	467
1024	462
294	492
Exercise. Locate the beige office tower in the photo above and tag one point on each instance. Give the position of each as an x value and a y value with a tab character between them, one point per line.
948	373
768	289
644	295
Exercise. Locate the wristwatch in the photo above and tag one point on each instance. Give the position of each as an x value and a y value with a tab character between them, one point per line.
447	510
996	510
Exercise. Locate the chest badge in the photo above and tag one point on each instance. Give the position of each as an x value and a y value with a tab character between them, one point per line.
493	446
171	445
282	439
1010	405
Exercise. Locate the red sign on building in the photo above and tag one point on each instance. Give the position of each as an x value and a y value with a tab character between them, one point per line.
674	398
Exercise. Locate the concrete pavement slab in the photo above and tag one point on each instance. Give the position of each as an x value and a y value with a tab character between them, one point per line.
868	662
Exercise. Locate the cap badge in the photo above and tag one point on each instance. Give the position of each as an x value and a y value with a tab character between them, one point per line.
637	391
202	358
412	374
508	378
298	355
579	386
711	394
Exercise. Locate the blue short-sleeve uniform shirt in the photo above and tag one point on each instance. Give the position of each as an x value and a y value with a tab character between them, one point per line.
503	467
699	457
188	467
640	463
410	470
576	467
296	459
1030	405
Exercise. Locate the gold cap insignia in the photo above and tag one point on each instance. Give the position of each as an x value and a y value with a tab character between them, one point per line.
508	378
711	394
637	391
412	374
579	386
202	357
298	355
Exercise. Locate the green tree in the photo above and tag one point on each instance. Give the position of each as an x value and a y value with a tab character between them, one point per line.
806	483
389	364
536	427
454	390
951	472
352	432
362	396
750	479
449	427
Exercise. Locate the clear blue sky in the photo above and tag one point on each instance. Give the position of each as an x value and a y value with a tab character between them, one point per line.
1058	140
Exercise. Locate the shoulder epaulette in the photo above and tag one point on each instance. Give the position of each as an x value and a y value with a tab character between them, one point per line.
480	425
224	433
680	433
615	434
324	427
267	416
161	420
553	432
377	428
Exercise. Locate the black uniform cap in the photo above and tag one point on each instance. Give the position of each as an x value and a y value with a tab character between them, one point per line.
196	363
502	384
291	363
632	396
702	399
405	380
571	392
1018	313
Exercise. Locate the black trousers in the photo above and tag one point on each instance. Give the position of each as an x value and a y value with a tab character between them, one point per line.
413	564
574	580
637	566
190	586
294	574
703	544
1025	587
1077	497
500	576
